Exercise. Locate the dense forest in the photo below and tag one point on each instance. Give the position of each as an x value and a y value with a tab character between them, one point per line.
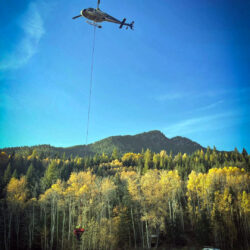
125	201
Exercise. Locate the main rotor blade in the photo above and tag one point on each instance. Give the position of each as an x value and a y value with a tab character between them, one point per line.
98	3
76	17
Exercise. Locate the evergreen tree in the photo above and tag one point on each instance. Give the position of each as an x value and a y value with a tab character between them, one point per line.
51	174
115	154
30	175
14	175
7	175
96	159
140	165
32	181
65	171
64	156
244	153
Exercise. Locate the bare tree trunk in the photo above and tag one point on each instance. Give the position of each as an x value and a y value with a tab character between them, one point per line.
182	220
132	217
33	221
109	218
41	238
63	223
147	234
57	227
30	230
5	231
69	229
129	239
170	211
52	226
17	227
30	215
29	240
45	231
9	232
142	232
157	241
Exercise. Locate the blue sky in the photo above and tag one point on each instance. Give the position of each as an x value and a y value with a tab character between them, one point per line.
184	70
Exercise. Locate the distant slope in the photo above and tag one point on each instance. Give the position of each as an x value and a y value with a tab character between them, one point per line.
154	140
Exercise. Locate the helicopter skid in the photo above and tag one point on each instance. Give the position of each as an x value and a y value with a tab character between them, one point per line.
94	24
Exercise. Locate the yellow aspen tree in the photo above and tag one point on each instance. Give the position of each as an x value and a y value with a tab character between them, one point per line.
17	190
16	197
219	194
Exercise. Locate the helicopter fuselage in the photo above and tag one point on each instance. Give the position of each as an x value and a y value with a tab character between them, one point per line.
97	15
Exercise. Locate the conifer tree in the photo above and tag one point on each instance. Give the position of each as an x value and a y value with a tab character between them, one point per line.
51	174
7	175
30	175
115	154
14	175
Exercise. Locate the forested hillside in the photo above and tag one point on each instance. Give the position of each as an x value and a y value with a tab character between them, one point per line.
153	140
125	201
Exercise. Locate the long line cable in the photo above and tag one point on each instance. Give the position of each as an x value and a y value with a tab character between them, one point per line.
91	83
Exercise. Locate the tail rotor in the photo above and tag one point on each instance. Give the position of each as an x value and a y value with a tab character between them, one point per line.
132	25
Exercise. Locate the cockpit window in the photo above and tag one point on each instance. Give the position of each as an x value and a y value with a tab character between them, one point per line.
91	9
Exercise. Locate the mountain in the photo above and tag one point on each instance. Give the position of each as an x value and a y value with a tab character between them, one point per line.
154	140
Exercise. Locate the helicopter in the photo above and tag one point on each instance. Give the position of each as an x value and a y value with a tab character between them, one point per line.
97	16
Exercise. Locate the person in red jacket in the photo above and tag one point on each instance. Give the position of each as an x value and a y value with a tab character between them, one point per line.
78	231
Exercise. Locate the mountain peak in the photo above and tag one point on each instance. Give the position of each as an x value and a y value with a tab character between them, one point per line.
154	133
154	140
